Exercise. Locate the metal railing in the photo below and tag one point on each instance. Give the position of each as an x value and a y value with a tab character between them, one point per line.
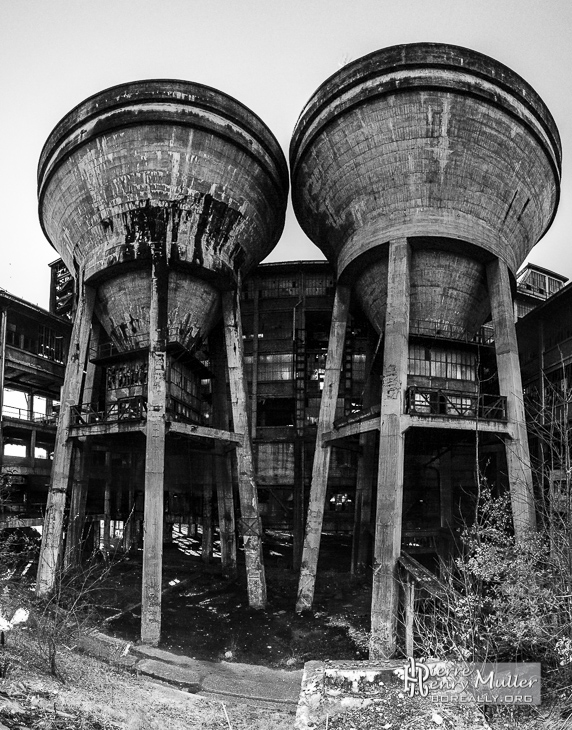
128	344
455	404
31	345
446	331
23	414
133	408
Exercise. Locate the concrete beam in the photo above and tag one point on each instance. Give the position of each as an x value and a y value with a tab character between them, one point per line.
107	429
192	430
367	426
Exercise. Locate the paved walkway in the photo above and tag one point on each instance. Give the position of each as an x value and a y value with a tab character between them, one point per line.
219	680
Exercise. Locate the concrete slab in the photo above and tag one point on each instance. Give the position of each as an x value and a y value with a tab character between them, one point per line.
152	652
218	680
254	683
358	683
112	650
179	675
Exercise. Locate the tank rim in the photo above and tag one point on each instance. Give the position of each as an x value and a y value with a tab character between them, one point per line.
71	121
347	76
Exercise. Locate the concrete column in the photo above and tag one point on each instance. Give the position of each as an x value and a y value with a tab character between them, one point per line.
225	505
254	387
61	466
155	454
129	525
207	539
33	441
298	501
81	463
322	454
222	466
107	504
251	525
299	348
366	473
510	386
387	546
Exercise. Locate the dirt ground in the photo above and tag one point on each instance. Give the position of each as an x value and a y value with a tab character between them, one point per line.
93	696
209	617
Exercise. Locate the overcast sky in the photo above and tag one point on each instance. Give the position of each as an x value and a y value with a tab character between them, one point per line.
269	54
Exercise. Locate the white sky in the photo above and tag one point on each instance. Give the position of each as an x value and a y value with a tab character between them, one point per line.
269	54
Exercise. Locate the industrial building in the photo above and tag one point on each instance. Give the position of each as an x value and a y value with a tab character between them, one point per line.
425	173
545	348
33	352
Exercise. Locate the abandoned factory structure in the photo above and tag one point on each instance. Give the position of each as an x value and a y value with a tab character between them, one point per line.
346	395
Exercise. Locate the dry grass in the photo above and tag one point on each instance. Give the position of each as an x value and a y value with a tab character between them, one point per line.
100	697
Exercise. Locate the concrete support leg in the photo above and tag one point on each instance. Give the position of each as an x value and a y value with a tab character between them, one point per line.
366	473
81	463
510	385
155	457
61	466
409	611
250	518
387	546
207	539
129	526
222	466
225	505
298	502
322	454
107	505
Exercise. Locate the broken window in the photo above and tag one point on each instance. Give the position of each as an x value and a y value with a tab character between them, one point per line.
437	362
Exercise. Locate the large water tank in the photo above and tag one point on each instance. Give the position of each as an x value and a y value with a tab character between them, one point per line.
168	168
435	143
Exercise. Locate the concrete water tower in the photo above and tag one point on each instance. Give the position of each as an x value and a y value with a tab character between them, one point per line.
425	173
159	196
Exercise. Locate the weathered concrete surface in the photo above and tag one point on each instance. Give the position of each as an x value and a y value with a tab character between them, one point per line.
335	687
253	682
435	143
112	650
221	680
389	508
322	455
446	287
123	308
50	552
160	160
316	702
174	674
168	164
425	140
510	384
